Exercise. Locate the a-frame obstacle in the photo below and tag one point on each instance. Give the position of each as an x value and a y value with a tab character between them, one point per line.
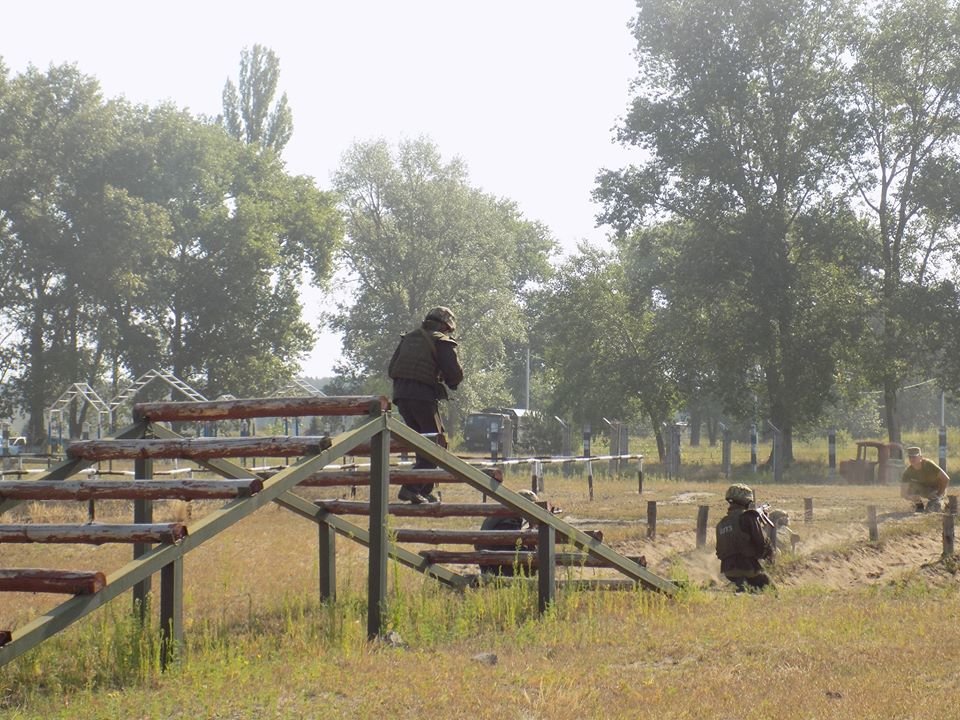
160	548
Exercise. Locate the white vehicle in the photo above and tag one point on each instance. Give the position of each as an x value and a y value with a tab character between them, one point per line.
14	445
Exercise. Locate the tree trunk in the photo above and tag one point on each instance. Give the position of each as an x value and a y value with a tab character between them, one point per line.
696	420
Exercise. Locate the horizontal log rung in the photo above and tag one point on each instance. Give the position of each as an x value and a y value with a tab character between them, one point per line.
349	507
335	478
508	538
93	533
197	448
524	558
239	409
66	582
128	490
565	583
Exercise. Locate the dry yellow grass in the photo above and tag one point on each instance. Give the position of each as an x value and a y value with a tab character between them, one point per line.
834	642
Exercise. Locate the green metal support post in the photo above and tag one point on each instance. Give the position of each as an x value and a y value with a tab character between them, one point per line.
171	611
142	513
328	561
546	566
379	541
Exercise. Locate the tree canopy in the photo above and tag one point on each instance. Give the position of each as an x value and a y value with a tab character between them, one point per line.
418	235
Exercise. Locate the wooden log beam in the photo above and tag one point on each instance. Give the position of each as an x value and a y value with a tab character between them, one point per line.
572	583
93	533
66	582
433	510
198	448
259	407
397	445
524	558
129	490
508	538
335	478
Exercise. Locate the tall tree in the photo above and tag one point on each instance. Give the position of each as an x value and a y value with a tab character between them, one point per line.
419	235
135	238
597	330
249	113
740	108
59	210
907	75
225	307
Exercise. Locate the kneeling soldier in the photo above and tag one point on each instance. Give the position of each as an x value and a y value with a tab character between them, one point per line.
741	543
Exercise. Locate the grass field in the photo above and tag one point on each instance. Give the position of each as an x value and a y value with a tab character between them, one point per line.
854	629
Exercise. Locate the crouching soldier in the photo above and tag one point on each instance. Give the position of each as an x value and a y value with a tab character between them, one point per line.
510	522
786	537
741	543
924	483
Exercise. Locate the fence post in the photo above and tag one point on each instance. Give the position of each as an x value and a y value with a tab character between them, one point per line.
952	504
832	451
872	523
942	442
566	446
727	451
624	442
590	479
948	534
808	510
640	477
753	446
536	480
702	514
613	466
652	519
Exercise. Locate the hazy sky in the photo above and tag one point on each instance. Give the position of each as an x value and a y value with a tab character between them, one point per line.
525	91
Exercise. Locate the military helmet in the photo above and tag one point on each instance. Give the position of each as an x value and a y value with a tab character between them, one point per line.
529	495
444	315
779	517
740	494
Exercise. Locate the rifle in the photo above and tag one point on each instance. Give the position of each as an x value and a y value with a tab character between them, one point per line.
763	510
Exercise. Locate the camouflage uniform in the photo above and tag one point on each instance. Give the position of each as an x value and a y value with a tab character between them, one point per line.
922	483
512	522
423	366
741	543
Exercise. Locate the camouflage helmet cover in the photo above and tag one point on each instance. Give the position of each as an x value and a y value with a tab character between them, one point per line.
740	494
444	315
779	517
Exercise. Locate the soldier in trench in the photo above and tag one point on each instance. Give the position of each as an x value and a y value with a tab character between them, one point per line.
923	482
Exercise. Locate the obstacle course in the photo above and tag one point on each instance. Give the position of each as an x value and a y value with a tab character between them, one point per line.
160	548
